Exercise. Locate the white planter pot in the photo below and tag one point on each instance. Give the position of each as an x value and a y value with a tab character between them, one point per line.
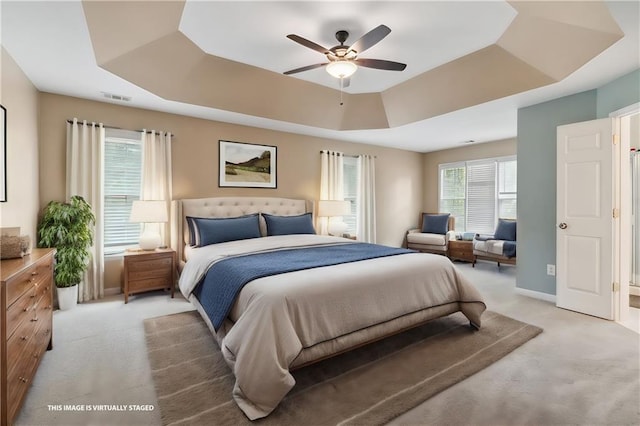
67	297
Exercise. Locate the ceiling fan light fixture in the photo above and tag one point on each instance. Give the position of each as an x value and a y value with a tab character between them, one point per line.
341	69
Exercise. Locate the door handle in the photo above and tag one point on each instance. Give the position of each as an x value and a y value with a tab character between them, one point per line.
562	226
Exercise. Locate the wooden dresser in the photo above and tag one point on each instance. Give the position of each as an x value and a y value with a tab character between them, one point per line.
25	326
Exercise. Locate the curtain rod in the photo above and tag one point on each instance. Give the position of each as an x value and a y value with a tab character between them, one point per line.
118	128
346	155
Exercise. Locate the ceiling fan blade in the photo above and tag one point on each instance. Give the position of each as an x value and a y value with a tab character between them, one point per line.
307	68
380	64
306	43
370	39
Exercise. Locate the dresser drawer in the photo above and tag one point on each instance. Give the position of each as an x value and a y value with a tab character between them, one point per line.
136	286
20	344
31	276
20	376
143	275
21	310
163	264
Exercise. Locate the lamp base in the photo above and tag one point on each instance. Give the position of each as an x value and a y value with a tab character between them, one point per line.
149	240
337	228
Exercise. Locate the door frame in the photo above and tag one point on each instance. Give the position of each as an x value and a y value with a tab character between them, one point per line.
622	185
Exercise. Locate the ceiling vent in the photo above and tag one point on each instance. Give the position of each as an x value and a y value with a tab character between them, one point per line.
116	97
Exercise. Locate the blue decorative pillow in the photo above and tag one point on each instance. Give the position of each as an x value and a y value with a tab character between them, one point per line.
207	231
506	230
435	223
287	225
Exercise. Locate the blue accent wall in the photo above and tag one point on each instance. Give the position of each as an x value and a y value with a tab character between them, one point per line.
537	171
618	94
537	184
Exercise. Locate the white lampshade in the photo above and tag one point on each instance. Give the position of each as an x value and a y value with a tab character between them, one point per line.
149	211
341	69
332	208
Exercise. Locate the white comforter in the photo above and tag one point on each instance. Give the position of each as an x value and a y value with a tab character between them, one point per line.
276	317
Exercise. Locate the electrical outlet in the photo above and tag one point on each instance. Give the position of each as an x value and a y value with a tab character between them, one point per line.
551	270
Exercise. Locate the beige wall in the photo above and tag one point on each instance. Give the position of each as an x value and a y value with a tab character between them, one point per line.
431	161
20	98
195	161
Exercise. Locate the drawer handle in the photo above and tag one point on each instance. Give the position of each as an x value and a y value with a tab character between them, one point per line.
34	319
22	379
48	307
34	273
24	337
32	296
35	355
25	310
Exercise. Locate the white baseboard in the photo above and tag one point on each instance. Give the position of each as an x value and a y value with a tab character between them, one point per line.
111	291
537	295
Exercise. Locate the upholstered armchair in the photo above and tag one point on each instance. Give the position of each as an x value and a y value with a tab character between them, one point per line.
499	247
434	233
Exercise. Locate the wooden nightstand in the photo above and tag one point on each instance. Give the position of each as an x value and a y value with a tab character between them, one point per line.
460	250
149	270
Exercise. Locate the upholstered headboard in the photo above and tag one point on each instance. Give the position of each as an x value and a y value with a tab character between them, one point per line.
228	207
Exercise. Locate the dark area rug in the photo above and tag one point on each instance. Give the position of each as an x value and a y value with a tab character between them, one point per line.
370	385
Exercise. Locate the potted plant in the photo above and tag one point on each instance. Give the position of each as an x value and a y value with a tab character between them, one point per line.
69	228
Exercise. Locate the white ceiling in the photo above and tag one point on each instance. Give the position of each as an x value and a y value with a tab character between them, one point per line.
50	42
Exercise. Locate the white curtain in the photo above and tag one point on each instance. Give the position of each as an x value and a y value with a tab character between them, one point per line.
635	236
156	173
366	211
85	151
331	181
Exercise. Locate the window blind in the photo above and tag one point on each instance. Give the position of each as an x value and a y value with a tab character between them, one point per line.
481	196
479	192
122	186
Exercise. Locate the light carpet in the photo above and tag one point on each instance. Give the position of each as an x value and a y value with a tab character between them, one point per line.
370	385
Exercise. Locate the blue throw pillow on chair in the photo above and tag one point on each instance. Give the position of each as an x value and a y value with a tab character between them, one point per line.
435	223
506	230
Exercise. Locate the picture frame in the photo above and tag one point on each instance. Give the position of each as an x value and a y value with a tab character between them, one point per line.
3	154
246	165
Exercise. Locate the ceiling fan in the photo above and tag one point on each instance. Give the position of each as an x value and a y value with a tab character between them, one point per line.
343	60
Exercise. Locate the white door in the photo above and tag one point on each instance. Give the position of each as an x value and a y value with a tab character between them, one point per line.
584	236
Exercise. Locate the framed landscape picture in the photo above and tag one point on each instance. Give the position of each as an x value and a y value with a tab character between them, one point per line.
247	165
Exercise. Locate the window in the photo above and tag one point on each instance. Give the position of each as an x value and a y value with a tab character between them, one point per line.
350	191
479	192
122	186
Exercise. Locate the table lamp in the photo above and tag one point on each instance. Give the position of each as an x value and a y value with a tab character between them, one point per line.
149	212
334	210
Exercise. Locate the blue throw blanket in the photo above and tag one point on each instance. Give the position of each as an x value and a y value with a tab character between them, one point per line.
221	285
509	249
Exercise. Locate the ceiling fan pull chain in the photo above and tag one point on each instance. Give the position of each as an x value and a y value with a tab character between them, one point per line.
341	83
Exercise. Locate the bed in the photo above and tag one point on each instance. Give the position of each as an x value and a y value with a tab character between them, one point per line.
328	296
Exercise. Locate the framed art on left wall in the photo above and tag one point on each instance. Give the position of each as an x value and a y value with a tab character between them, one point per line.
3	154
247	165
